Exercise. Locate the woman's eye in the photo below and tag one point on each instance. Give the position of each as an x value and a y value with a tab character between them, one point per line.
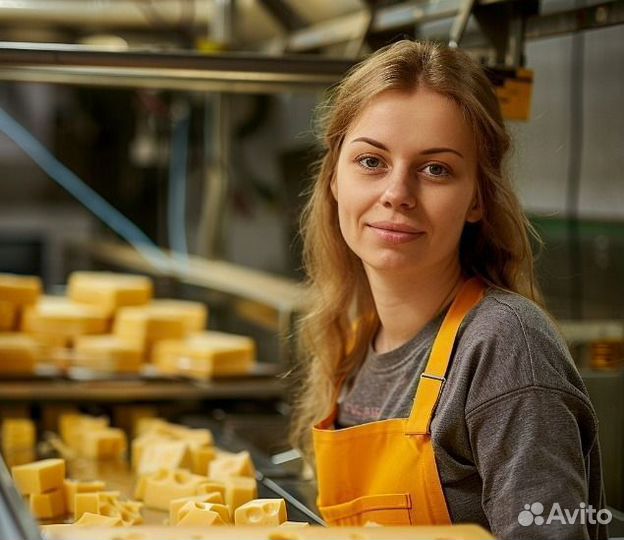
370	162
435	169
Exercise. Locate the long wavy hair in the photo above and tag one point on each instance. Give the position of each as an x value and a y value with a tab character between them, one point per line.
497	248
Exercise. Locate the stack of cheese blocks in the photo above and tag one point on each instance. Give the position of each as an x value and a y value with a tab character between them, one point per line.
18	440
18	352
92	437
169	460
111	322
51	496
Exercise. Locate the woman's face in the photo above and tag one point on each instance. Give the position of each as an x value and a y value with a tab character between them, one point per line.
406	181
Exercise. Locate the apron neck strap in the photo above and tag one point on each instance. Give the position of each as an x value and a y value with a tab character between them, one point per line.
433	378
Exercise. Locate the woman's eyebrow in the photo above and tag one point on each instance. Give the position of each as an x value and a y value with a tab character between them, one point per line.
428	151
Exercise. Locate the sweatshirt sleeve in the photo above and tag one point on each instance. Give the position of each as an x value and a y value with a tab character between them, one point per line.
530	455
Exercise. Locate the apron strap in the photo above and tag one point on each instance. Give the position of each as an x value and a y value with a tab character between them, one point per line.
433	378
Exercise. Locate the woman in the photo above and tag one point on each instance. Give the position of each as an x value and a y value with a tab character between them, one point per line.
439	390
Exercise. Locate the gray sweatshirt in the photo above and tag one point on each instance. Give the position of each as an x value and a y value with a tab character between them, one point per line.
514	425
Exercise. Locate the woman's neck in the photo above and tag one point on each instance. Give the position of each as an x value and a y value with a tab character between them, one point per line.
405	304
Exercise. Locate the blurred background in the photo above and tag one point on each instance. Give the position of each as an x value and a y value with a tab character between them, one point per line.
174	139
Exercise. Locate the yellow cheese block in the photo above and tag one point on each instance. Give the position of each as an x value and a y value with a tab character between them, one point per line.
210	486
18	354
261	512
158	489
232	465
109	290
197	517
164	454
206	355
48	505
201	456
19	290
72	487
106	443
194	314
40	476
73	426
145	325
295	524
108	352
93	502
96	520
176	504
193	513
61	317
239	490
8	316
18	434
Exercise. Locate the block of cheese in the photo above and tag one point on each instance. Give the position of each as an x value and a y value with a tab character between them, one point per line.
48	505
239	464
261	512
105	443
210	486
108	352
40	476
199	510
72	428
158	489
109	290
18	434
194	314
96	520
164	454
206	355
201	456
19	290
93	502
239	490
61	317
197	517
176	504
72	487
147	324
294	524
18	354
8	316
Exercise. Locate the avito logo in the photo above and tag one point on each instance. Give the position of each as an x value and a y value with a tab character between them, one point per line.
584	514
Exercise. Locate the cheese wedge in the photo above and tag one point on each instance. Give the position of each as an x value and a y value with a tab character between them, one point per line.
94	502
239	490
8	316
96	520
72	487
266	512
19	290
206	355
61	317
18	354
176	504
194	314
47	505
164	454
239	464
158	489
40	476
109	352
199	511
109	290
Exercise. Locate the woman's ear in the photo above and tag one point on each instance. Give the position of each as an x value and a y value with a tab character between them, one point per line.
334	187
475	212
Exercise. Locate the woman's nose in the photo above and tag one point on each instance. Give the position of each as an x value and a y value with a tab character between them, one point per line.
399	190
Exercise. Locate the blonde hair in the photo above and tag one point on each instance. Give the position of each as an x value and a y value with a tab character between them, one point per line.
497	248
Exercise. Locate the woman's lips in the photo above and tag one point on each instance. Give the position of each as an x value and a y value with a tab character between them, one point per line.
394	233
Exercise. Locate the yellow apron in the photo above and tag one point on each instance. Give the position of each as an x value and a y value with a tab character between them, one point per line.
385	471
